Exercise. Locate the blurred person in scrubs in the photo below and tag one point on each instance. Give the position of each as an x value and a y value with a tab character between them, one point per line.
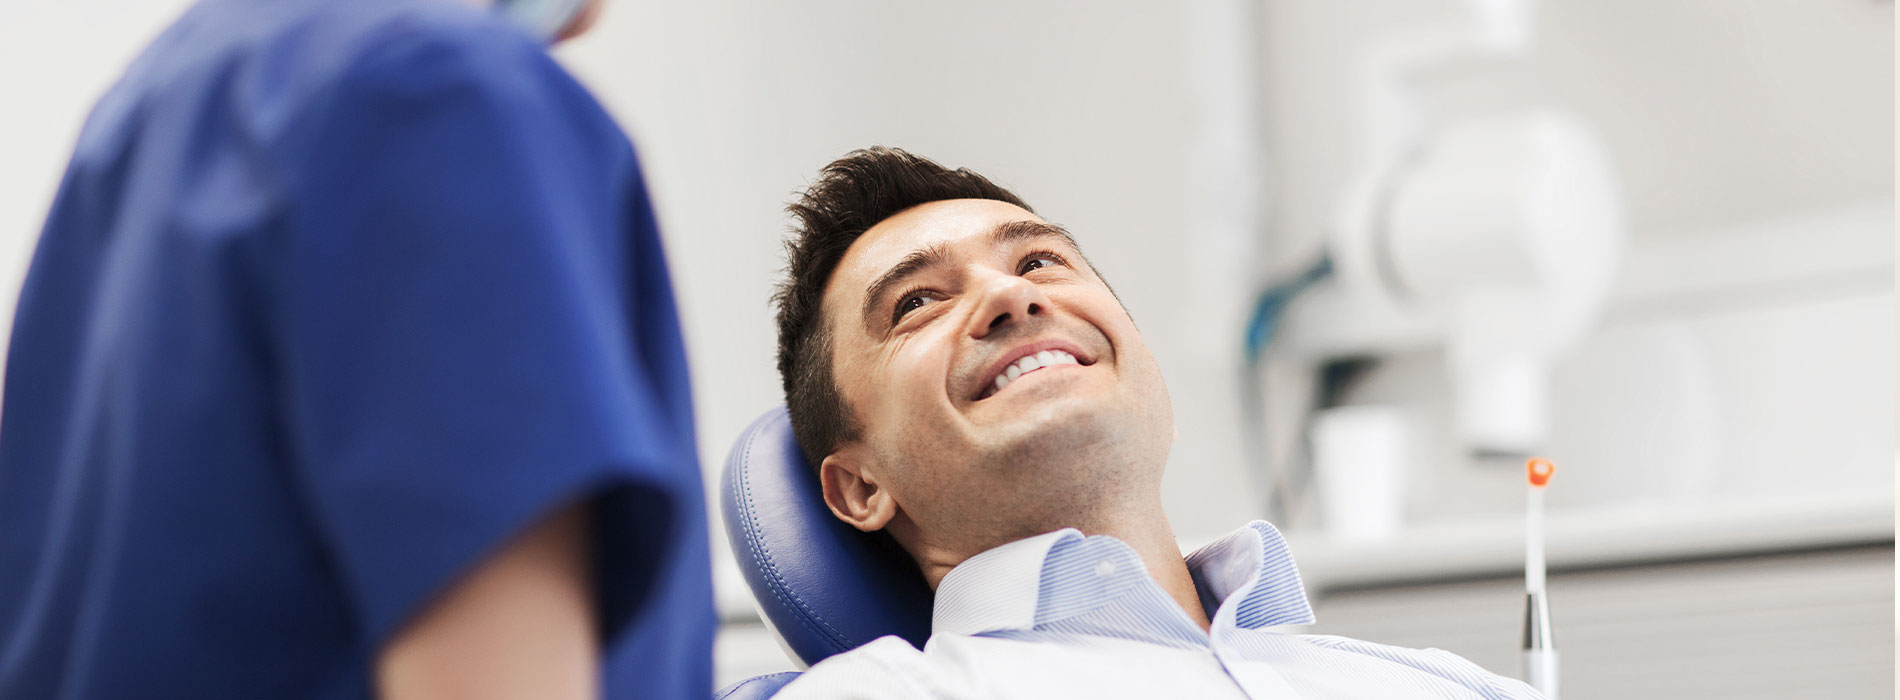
348	366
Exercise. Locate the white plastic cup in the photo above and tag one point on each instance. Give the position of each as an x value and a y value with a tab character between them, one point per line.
1360	455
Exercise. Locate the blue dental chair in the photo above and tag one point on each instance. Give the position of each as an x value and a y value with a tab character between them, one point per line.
823	587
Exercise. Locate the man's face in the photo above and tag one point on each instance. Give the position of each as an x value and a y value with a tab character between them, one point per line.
932	313
583	21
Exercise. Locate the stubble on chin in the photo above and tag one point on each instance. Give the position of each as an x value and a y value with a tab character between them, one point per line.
1072	470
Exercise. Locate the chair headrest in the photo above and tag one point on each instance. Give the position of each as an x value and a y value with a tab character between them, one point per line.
824	586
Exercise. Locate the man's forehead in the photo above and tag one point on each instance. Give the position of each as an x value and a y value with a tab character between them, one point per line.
926	225
918	228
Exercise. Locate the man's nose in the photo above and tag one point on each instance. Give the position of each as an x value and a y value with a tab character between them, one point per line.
1003	300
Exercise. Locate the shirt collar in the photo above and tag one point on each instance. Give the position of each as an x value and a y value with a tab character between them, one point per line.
1248	576
996	589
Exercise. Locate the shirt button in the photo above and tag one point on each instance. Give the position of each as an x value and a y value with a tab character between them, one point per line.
1105	569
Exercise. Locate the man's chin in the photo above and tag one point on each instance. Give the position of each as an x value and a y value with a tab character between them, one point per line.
1052	429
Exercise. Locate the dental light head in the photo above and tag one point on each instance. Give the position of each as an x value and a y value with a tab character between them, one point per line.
1505	233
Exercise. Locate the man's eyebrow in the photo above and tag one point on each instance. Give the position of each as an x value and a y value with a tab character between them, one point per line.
1015	231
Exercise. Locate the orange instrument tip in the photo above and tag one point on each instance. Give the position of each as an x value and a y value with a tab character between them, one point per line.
1539	471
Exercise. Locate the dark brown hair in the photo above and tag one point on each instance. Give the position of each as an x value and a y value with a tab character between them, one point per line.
852	194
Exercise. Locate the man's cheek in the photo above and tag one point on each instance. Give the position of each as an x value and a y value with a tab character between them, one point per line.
918	376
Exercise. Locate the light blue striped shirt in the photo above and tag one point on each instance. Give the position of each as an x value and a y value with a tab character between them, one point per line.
1068	615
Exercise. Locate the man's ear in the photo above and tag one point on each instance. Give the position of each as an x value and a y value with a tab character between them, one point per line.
854	496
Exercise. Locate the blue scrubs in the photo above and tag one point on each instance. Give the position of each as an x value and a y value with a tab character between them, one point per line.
336	297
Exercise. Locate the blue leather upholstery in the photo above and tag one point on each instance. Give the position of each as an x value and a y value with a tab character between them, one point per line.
756	687
824	586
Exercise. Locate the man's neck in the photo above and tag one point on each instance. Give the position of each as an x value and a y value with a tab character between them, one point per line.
1148	533
1161	553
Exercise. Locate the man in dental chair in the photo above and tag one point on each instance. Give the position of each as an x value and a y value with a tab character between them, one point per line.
967	383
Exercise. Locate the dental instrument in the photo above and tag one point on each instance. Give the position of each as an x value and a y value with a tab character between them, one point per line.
1540	649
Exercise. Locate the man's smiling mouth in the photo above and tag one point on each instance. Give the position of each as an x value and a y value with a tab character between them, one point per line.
1032	362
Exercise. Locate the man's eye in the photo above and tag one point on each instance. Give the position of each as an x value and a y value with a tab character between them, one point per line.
1039	260
908	303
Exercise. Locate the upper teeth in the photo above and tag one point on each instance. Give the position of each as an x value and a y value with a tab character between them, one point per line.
1031	363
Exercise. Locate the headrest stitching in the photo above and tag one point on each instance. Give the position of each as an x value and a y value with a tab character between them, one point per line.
774	581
